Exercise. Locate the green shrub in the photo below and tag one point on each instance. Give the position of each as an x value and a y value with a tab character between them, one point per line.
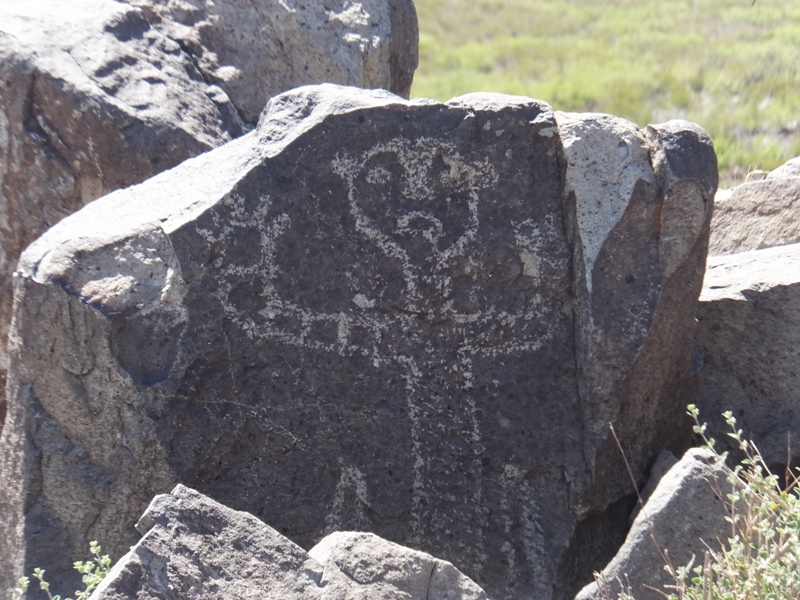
761	559
93	572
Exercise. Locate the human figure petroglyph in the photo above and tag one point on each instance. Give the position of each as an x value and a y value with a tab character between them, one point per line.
437	321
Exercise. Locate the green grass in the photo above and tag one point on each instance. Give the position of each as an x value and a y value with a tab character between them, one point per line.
728	65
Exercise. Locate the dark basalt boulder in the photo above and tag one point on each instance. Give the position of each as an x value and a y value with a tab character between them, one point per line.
409	318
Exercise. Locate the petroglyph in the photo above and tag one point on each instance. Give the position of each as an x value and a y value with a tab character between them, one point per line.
437	282
428	278
351	483
366	314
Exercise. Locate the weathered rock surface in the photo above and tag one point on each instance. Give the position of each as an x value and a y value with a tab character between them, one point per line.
195	548
255	51
411	318
377	568
685	515
639	242
98	95
749	324
665	461
791	168
755	215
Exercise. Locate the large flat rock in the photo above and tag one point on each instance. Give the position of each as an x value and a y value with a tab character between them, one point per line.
756	215
98	95
410	318
749	325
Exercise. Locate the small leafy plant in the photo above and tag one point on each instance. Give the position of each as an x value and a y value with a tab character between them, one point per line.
761	560
93	572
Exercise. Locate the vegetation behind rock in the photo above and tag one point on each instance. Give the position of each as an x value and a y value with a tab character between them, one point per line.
726	64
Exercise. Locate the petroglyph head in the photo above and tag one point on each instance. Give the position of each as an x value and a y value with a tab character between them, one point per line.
391	193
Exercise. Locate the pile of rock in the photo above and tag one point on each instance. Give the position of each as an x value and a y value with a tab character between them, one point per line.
746	341
193	547
410	318
422	329
749	315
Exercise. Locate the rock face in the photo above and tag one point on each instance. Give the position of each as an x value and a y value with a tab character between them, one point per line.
755	215
255	51
99	95
665	461
685	514
747	333
195	548
411	318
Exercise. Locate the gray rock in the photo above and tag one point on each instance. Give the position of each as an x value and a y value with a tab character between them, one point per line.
665	461
99	95
639	240
685	515
195	548
255	51
381	569
790	168
756	215
747	334
756	175
366	314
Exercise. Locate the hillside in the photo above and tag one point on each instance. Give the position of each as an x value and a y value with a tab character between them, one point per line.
726	64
